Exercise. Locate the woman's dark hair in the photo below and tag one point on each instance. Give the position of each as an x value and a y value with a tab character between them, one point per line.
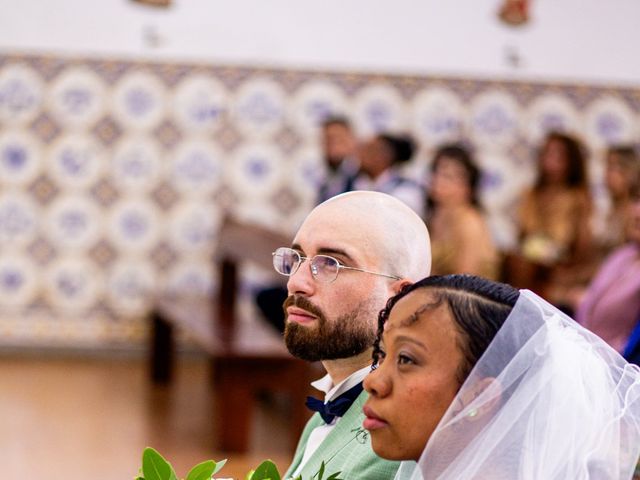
401	147
461	155
628	159
576	162
336	120
478	306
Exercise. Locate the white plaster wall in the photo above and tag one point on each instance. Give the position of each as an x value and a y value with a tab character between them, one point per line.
594	41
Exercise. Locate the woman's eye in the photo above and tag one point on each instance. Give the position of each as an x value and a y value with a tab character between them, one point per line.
404	359
381	356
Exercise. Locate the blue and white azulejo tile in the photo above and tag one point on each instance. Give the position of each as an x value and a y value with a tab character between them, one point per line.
139	101
193	226
18	279
19	218
130	286
134	225
137	164
313	102
610	121
20	157
73	284
259	108
307	168
379	108
437	116
77	98
494	120
200	104
551	112
196	167
76	161
73	222
21	94
190	276
255	170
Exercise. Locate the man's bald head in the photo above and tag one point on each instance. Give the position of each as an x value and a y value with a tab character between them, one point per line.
381	225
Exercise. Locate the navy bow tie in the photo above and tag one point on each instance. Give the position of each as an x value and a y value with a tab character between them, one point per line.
336	407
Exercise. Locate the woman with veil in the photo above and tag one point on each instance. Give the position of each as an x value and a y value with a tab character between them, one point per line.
477	380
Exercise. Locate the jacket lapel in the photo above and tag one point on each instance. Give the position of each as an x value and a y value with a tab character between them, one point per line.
314	421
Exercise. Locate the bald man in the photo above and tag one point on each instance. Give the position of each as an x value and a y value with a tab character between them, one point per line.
350	255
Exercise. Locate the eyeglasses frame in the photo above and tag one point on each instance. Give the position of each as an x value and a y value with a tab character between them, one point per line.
340	266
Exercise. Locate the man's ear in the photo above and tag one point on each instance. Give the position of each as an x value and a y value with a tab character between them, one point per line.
398	285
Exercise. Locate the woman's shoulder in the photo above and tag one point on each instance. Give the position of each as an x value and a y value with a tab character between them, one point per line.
470	218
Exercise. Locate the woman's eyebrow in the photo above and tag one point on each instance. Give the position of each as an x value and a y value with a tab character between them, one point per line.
410	339
415	316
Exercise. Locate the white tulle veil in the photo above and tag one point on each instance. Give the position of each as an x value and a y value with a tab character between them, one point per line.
563	406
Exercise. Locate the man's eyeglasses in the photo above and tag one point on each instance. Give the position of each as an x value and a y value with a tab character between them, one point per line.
324	268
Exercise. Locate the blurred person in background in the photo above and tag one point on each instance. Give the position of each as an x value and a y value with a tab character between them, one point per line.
381	159
339	149
554	221
460	238
611	306
622	173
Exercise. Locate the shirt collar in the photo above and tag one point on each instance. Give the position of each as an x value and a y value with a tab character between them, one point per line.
325	384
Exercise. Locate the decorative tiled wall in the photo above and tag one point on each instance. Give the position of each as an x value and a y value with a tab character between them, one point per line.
114	174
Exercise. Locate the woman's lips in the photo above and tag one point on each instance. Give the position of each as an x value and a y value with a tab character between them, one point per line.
372	422
298	315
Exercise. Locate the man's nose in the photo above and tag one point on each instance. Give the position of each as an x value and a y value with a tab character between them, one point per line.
302	281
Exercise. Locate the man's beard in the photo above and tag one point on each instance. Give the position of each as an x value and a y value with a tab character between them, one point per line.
347	336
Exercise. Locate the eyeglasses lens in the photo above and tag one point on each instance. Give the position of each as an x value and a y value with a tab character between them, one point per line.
324	268
286	261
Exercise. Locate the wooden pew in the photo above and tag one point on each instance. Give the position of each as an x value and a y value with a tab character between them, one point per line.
247	354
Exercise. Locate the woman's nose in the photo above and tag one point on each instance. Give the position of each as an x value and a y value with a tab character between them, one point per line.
376	384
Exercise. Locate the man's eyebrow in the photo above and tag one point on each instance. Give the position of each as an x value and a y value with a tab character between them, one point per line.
335	251
326	251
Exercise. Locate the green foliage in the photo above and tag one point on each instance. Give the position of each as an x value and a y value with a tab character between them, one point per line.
267	470
155	467
320	474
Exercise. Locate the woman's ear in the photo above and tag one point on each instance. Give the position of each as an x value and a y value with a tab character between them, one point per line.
490	390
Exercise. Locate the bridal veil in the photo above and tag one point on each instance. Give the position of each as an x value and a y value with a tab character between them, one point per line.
548	400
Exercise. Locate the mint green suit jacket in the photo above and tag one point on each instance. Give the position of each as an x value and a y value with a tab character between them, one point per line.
346	449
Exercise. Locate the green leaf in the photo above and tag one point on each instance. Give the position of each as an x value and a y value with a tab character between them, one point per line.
155	467
202	471
267	470
219	466
334	476
249	475
321	472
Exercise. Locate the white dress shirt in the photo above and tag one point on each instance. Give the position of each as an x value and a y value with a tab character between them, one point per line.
325	384
392	182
